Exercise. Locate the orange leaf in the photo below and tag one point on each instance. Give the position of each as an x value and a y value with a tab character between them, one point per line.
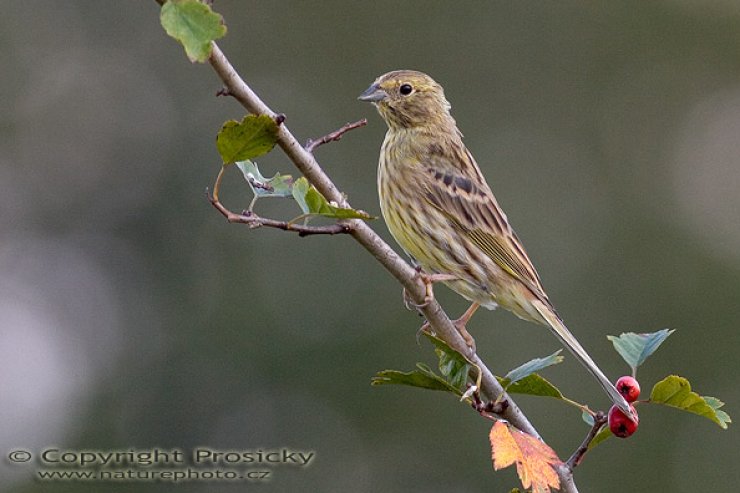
535	460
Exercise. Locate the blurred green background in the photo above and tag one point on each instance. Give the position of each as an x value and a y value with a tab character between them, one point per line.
133	316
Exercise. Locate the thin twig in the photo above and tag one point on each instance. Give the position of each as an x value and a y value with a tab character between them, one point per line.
575	459
254	221
217	185
311	145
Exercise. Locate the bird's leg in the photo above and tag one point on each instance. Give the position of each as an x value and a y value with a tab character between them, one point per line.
459	324
428	280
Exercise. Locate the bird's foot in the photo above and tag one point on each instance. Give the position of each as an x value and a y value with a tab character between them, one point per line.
424	329
469	341
461	329
428	280
460	324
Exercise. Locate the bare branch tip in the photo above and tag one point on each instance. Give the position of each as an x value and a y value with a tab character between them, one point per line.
311	144
210	197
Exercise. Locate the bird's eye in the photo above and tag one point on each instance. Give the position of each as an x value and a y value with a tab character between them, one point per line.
406	89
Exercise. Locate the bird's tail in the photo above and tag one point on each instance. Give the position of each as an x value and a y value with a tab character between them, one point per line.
560	331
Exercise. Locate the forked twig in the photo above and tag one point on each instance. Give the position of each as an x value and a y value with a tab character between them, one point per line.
600	420
254	221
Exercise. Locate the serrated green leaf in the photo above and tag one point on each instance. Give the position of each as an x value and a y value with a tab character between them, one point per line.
636	348
312	202
277	186
715	404
676	392
723	417
194	25
254	136
533	384
530	367
423	377
454	366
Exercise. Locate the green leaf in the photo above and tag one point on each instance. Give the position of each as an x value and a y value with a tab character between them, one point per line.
600	437
194	25
300	189
636	348
423	377
587	418
676	392
454	366
254	136
277	186
533	384
312	202
715	404
530	367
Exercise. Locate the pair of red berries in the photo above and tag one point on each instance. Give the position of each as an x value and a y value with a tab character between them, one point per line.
619	423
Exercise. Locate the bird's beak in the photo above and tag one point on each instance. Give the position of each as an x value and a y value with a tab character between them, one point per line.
373	94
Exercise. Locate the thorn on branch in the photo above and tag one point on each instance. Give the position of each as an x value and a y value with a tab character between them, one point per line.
311	144
224	91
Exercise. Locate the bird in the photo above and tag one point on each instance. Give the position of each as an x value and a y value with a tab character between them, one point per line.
441	211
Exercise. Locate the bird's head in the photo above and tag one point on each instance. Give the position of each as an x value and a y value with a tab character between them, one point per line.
407	98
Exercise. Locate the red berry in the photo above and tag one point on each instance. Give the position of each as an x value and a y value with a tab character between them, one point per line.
620	424
629	388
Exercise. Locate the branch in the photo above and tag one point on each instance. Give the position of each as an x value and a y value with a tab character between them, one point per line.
311	145
575	459
254	221
489	409
360	231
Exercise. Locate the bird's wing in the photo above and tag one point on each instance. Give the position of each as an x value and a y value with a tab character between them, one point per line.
471	206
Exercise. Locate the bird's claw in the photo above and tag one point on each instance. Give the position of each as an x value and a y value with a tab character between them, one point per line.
424	329
410	304
459	324
428	280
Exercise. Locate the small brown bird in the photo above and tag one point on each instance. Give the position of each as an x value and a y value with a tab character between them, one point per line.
441	211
